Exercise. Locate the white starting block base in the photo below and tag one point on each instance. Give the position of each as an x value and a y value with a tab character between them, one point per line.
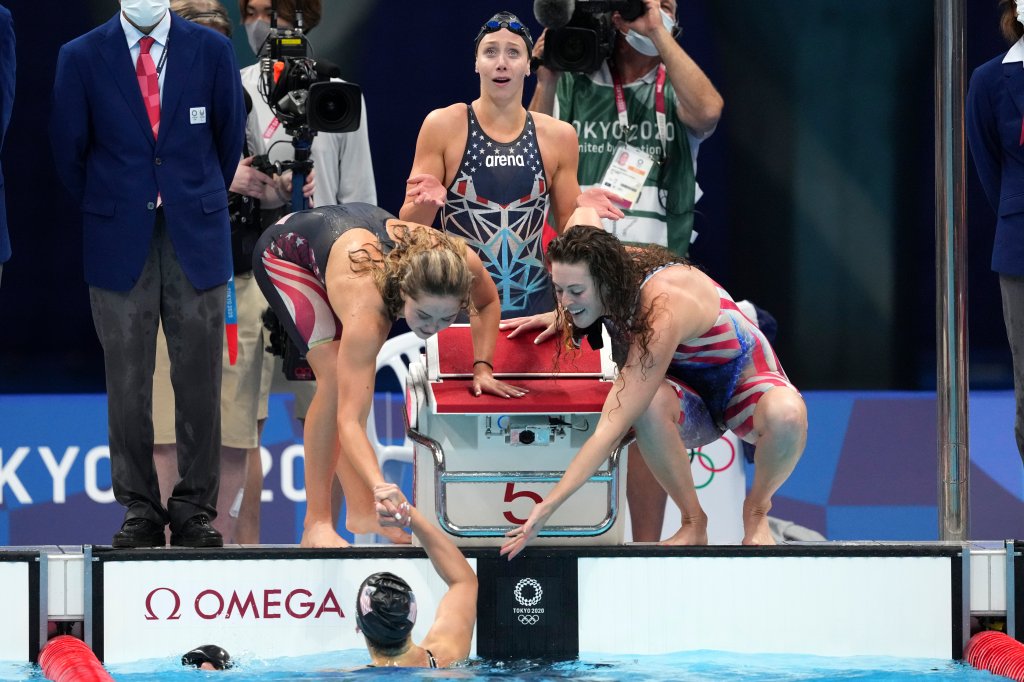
483	462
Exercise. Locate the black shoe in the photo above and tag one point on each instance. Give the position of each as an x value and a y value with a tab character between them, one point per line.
139	532
196	532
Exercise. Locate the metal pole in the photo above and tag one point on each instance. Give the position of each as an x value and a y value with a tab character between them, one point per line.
951	272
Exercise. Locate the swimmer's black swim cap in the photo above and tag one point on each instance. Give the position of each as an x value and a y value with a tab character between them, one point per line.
207	653
385	609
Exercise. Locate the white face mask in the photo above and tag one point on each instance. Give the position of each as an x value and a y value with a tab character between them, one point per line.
1020	11
257	32
145	13
645	45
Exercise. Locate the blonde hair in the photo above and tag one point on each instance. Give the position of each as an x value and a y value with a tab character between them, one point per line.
422	262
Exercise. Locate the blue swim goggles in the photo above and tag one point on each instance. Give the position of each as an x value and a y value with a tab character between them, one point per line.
510	22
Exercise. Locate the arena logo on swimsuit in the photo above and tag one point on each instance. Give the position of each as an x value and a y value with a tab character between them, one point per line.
504	160
164	603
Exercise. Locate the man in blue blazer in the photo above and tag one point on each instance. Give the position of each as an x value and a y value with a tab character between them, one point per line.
150	175
7	70
995	131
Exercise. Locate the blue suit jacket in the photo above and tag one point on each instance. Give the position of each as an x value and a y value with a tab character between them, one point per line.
6	105
995	120
106	155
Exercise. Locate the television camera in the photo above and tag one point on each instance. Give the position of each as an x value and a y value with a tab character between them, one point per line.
580	33
300	92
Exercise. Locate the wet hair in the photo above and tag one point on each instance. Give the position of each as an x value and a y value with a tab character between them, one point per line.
504	18
386	612
311	11
423	261
617	274
208	13
207	653
1008	24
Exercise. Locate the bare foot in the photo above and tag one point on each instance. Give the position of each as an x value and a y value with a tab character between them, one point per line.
322	535
756	530
694	531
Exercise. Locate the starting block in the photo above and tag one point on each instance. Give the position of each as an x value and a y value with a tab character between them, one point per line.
485	461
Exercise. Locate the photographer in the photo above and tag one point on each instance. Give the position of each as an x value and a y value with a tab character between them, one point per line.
247	372
643	53
341	161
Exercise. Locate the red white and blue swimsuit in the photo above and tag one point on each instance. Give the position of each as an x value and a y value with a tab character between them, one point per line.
721	375
290	265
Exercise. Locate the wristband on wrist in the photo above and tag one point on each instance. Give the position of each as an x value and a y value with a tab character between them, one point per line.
483	362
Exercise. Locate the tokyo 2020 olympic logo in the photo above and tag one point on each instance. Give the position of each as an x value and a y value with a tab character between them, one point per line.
528	594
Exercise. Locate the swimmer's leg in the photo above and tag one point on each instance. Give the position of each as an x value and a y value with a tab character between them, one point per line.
320	437
780	429
657	434
646	498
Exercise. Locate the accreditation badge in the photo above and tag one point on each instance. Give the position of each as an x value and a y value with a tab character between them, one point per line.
627	173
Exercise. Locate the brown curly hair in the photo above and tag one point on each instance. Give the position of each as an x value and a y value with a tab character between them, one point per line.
617	271
423	261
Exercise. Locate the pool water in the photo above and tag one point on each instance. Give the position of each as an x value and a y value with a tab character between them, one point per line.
699	666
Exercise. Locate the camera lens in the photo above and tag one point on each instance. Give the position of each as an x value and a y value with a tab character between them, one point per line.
334	107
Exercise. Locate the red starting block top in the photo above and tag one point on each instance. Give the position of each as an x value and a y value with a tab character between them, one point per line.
512	357
546	396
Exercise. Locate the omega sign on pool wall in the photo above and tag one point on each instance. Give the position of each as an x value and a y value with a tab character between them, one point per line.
156	607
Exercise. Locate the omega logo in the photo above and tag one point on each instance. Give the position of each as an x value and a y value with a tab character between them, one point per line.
164	603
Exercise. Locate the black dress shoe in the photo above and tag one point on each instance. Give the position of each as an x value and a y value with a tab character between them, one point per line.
196	532
139	532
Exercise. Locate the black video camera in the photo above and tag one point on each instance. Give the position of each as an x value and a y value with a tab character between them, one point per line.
586	41
299	89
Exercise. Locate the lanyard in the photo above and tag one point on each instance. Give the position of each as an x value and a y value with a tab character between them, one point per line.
659	106
163	57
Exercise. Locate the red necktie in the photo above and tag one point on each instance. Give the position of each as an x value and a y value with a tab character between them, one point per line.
149	83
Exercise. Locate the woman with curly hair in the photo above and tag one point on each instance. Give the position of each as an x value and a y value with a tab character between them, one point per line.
337	277
691	365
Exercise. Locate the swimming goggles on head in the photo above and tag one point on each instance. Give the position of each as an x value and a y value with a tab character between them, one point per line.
512	25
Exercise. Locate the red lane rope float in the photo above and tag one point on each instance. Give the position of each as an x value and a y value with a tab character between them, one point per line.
68	659
996	652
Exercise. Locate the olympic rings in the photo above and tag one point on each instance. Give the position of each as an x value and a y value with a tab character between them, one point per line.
708	464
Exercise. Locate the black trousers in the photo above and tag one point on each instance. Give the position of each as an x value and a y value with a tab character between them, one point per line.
1012	289
126	322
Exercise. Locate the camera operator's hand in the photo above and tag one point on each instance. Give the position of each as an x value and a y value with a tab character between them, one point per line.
425	189
647	24
604	202
249	181
284	186
545	74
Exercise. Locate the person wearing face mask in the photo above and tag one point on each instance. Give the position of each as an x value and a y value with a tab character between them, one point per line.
645	54
341	161
247	367
146	138
659	136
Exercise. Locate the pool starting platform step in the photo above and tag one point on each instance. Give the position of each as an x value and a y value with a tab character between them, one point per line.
831	599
